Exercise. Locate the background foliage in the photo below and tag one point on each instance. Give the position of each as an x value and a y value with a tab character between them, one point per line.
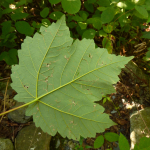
111	23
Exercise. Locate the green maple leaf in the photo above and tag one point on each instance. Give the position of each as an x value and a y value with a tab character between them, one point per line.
61	81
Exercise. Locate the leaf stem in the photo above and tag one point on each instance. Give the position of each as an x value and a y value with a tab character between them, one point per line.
6	112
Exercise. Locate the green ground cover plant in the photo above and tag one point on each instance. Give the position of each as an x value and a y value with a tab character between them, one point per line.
108	24
122	141
113	137
113	20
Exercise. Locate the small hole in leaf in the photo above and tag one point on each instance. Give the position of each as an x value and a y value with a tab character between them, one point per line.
47	65
26	86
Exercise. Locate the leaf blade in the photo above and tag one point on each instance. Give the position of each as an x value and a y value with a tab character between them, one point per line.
71	7
59	83
123	143
108	15
142	11
44	13
99	141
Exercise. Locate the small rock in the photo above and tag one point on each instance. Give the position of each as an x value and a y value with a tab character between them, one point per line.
117	146
58	143
19	114
6	144
120	105
113	97
32	138
113	112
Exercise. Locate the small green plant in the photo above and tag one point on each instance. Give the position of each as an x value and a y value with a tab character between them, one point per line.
105	98
121	139
10	57
80	147
112	137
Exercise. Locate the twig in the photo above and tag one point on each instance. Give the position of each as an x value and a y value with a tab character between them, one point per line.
5	95
5	99
5	78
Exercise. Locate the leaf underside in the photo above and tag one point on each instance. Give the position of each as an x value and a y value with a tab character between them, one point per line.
64	80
